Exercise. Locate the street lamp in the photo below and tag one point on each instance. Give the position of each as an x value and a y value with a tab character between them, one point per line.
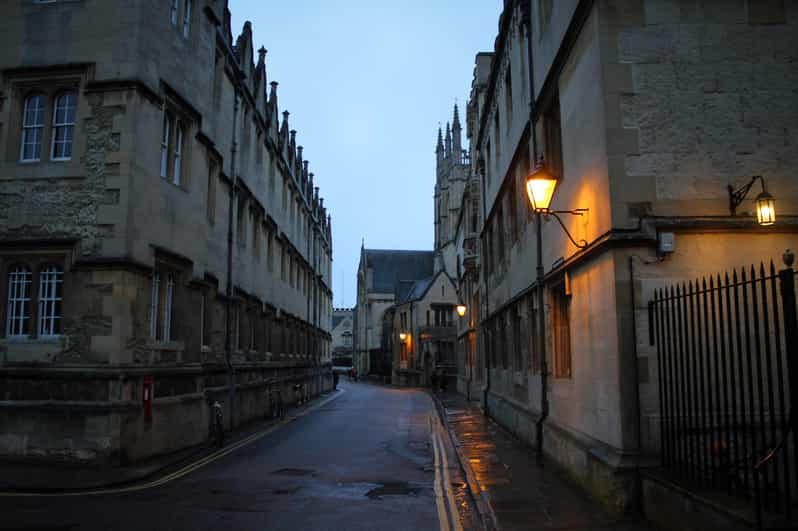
765	203
540	187
402	336
461	309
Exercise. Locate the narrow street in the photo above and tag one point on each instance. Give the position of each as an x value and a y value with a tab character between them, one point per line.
362	461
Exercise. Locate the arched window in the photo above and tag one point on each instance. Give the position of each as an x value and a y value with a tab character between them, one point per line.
51	281
63	126
18	308
167	125
32	128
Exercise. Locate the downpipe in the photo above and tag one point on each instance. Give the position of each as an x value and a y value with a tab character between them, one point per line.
228	347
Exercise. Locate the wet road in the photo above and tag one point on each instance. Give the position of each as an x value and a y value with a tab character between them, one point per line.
362	461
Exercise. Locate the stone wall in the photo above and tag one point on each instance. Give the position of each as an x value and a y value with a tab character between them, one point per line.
73	416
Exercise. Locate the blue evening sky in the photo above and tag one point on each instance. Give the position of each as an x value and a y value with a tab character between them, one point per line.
367	83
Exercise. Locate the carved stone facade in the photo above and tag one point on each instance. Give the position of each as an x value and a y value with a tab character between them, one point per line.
158	222
646	111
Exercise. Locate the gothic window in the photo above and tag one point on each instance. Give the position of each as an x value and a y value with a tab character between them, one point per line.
18	312
488	166
544	15
270	251
518	359
534	357
561	330
255	236
204	328
237	327
187	19
552	134
173	11
167	126
154	298
241	229
178	153
211	208
51	280
32	128
63	126
161	305
173	147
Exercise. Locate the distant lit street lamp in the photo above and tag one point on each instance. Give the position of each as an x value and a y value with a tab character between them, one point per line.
461	309
540	187
765	203
402	336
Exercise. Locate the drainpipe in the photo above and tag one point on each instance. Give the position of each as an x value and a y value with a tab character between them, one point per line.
541	324
486	302
228	347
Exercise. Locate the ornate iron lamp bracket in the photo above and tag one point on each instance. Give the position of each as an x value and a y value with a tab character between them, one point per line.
581	244
738	196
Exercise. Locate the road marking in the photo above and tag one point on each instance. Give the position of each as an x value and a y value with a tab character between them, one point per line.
440	500
191	467
455	514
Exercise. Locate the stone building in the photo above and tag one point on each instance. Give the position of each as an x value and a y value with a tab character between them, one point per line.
424	330
452	169
379	273
647	112
161	237
342	341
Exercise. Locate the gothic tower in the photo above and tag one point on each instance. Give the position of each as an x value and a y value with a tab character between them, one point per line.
451	174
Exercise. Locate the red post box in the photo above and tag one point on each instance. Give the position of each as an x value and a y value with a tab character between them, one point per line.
146	396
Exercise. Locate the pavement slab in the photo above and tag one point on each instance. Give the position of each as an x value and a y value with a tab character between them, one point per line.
520	495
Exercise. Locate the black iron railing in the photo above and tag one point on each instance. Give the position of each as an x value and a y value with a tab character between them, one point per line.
727	350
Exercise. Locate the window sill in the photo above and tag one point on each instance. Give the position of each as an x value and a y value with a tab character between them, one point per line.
44	340
165	345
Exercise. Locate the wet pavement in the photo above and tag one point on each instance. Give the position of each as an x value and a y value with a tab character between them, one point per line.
520	495
362	462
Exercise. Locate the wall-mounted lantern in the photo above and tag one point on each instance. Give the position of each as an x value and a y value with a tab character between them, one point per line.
461	309
765	203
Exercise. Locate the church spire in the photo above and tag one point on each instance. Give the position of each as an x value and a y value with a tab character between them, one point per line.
448	145
457	145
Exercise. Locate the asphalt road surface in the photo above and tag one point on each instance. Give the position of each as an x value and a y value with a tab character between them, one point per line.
364	461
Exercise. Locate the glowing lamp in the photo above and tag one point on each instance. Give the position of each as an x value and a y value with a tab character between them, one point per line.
540	186
461	310
402	336
765	209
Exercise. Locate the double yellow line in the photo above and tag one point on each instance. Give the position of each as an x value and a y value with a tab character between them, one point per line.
188	469
448	515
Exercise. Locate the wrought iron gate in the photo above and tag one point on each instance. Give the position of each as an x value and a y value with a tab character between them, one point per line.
727	350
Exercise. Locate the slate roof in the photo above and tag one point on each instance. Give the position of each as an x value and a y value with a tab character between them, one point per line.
337	319
391	266
420	288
